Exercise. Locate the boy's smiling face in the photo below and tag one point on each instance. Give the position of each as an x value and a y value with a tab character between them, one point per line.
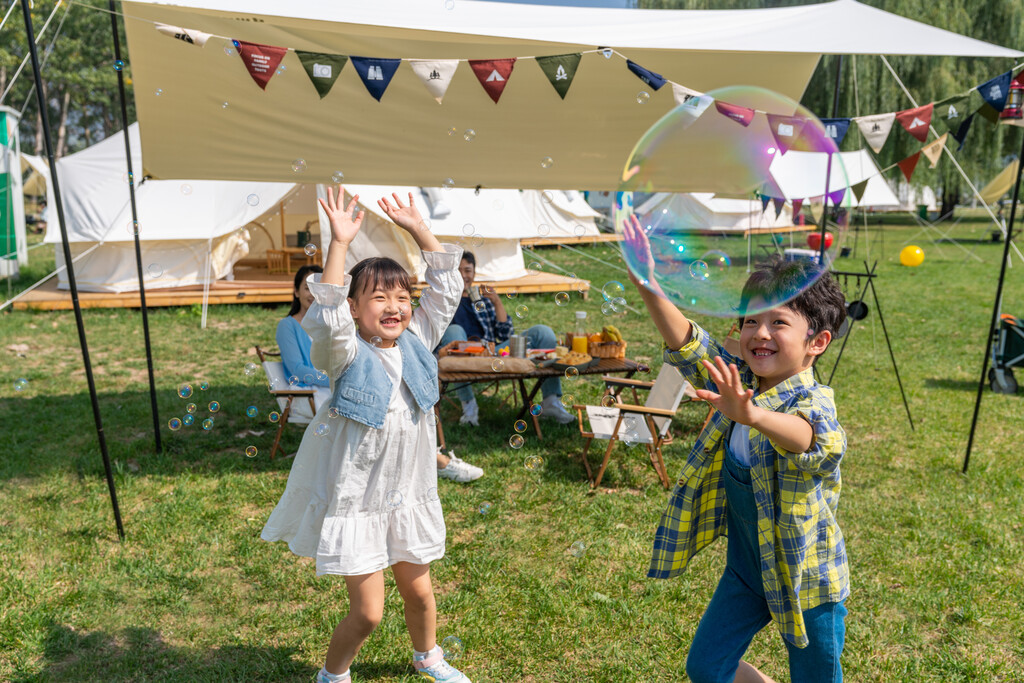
778	344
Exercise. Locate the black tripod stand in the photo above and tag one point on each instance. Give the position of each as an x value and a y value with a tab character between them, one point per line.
858	311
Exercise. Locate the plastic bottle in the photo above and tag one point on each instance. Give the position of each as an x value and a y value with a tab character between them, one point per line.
579	333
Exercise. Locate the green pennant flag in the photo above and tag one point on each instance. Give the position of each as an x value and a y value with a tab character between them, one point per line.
952	111
989	113
858	189
322	69
560	70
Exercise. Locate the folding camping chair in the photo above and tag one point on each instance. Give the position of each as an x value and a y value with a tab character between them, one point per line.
289	398
631	423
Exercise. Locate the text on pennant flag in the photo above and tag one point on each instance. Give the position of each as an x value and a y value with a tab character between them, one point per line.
742	115
996	90
933	150
376	73
436	74
322	68
655	80
493	74
835	129
786	130
186	35
917	120
560	70
260	60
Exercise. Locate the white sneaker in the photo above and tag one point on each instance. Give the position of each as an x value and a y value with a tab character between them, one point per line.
459	470
470	414
552	408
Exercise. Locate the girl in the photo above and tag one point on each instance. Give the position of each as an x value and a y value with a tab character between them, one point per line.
362	492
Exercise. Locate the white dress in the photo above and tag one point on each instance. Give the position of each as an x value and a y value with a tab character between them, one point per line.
360	499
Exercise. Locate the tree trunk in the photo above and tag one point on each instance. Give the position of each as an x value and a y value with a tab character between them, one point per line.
40	145
950	198
62	129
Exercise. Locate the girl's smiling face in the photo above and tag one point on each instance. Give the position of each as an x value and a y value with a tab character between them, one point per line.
383	313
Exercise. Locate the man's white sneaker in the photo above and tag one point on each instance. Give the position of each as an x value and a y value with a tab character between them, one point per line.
459	470
552	408
470	414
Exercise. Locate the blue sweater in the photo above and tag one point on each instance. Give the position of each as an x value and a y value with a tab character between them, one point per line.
294	343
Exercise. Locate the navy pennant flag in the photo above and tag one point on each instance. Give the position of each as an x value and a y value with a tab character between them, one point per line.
995	91
765	199
649	77
375	73
835	129
779	203
961	133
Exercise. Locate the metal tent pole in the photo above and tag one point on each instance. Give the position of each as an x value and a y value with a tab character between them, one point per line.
41	100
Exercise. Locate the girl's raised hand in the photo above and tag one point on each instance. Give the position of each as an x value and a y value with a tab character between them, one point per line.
343	226
406	217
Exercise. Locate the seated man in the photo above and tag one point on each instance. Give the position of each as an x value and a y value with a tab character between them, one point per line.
489	322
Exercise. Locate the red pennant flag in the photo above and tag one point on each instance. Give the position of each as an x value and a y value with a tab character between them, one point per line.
908	165
797	205
260	60
493	74
916	121
742	115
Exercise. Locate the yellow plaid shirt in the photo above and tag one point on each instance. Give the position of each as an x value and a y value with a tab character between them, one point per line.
803	556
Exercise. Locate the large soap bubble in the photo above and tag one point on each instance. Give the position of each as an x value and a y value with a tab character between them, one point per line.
735	160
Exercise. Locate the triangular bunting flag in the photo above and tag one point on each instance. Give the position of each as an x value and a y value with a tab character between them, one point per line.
835	129
779	203
836	196
933	150
742	115
961	133
875	129
681	94
260	60
649	77
322	69
908	165
770	188
989	113
188	35
696	105
951	112
817	208
493	74
786	130
797	205
436	74
916	121
560	70
376	73
858	189
764	201
995	91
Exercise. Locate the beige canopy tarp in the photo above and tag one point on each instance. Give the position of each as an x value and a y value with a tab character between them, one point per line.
203	116
1001	184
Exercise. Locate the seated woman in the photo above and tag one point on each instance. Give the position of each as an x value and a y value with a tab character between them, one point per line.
491	324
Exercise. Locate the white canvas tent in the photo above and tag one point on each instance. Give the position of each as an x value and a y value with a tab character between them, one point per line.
36	175
404	138
705	213
801	175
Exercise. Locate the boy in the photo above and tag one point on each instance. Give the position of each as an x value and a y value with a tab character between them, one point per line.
764	472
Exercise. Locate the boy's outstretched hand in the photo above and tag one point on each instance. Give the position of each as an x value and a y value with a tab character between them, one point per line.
638	248
733	401
343	226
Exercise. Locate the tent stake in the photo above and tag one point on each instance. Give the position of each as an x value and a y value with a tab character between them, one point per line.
135	230
45	120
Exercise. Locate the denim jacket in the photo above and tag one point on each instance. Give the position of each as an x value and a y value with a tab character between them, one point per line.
363	391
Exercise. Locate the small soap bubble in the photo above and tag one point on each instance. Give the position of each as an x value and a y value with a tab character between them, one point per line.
214	406
568	400
547	162
204	385
252	411
619	304
188	420
561	299
224	104
643	97
20	384
612	289
432	493
158	92
479	307
511	294
155	270
468	229
536	409
191	408
118	65
251	451
631	438
251	369
185	390
281	68
299	165
448	183
699	270
322	429
520	426
174	424
393	498
522	310
274	416
643	369
252	200
333	413
476	241
469	135
293	380
608	401
484	509
533	463
337	177
578	549
207	424
310	249
497	364
229	51
516	441
307	378
452	130
572	372
547	196
185	189
133	227
716	259
452	647
535	265
376	341
579	230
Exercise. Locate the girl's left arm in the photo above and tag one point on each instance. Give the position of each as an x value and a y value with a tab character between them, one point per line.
440	299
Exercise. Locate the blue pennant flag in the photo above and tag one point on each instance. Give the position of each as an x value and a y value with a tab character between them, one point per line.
649	77
375	73
994	92
835	129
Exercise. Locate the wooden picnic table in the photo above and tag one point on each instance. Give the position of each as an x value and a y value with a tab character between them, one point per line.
605	366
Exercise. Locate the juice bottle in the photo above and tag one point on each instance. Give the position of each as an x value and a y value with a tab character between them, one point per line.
579	333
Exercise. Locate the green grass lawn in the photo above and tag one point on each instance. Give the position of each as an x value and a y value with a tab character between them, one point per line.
192	594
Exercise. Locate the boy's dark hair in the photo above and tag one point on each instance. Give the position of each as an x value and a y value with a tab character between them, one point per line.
468	257
379	272
822	304
303	273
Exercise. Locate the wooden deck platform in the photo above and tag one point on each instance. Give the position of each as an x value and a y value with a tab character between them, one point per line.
557	241
250	286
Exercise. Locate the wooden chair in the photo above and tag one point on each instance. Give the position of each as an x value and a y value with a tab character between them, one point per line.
286	395
631	423
276	261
